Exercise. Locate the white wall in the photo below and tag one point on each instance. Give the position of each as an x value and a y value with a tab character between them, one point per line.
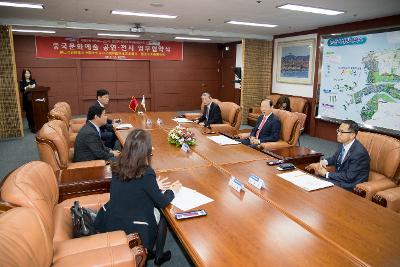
304	90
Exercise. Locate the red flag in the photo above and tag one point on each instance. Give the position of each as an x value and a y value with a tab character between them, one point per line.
133	104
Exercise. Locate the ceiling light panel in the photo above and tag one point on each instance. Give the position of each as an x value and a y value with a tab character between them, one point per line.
251	24
23	5
311	9
142	14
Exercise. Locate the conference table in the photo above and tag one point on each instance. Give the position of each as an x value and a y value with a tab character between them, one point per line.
281	225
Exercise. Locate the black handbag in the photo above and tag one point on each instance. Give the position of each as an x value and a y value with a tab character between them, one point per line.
82	221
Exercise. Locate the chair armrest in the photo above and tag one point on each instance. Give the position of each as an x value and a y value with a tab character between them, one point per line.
389	198
368	189
222	127
192	116
114	256
77	121
93	202
86	164
134	240
75	128
140	255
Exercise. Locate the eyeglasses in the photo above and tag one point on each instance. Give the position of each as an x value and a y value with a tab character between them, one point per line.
342	132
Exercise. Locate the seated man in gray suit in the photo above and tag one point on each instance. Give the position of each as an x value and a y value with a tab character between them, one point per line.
88	144
351	159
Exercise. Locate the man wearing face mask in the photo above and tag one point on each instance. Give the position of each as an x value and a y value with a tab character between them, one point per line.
351	159
212	112
267	129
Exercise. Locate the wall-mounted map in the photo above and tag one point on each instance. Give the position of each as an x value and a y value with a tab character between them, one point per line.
360	79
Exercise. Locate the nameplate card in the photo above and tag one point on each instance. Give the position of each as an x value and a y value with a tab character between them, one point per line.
256	181
159	121
236	184
185	147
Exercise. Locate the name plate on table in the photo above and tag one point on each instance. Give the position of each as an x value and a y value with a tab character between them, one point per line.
256	181
185	147
236	184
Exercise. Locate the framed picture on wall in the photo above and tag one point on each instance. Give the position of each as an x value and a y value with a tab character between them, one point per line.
295	61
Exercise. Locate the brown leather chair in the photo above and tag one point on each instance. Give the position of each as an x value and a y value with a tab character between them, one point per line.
231	114
47	237
54	148
67	108
60	113
290	131
384	152
389	198
297	104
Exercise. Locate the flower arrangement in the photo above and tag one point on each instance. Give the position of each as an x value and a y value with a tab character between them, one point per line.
180	135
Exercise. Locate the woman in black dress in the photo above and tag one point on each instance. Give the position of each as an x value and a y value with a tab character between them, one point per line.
25	85
283	103
135	195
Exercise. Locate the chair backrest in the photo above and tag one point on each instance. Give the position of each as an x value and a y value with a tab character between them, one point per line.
230	112
59	113
302	119
33	185
24	240
53	145
66	106
384	152
290	129
297	104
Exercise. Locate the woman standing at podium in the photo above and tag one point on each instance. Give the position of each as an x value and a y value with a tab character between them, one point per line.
25	85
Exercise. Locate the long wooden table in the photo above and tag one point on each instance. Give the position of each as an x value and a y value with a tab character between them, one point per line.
240	230
282	225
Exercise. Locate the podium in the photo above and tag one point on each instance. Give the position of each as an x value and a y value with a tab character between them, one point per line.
38	107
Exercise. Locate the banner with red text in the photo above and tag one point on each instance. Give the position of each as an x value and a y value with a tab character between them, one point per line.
97	48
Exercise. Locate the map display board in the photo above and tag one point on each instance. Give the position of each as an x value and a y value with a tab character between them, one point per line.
360	80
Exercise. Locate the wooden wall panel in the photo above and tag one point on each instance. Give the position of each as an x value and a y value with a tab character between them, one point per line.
167	85
228	91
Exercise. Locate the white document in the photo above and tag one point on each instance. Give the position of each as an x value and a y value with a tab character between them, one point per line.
188	199
223	140
182	120
124	126
305	181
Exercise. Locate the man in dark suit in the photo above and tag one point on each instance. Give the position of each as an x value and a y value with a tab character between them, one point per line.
107	133
267	129
212	112
88	144
351	159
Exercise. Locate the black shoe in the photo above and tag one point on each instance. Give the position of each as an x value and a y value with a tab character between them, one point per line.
166	256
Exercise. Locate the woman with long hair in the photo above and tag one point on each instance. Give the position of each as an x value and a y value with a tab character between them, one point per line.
26	84
135	195
283	103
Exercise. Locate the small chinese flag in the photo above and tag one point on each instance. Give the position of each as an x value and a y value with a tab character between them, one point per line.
133	104
143	103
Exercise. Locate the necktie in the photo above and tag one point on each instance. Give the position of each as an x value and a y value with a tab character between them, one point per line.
261	126
340	159
207	111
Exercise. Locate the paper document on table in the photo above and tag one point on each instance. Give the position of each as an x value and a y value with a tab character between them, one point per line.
305	181
123	126
188	199
223	140
182	120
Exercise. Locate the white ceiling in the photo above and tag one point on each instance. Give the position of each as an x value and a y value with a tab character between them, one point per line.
200	18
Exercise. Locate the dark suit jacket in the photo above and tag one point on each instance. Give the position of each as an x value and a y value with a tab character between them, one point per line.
134	201
214	116
271	130
88	145
107	127
354	168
